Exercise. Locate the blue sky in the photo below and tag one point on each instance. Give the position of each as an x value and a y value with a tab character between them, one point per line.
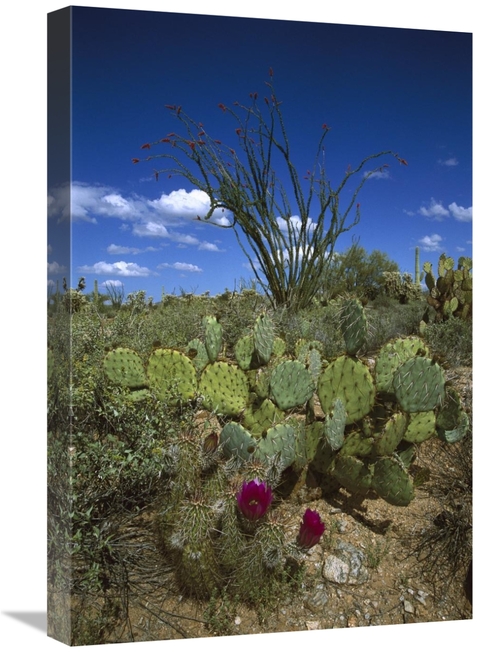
405	90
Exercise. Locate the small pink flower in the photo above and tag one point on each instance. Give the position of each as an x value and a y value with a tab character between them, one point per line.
311	529
254	499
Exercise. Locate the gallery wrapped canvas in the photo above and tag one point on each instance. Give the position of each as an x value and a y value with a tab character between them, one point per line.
258	419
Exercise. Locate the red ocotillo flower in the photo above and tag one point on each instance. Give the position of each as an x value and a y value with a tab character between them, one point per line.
146	146
135	160
221	107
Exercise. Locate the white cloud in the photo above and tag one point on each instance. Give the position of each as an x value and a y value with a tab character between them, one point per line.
181	267
112	283
435	210
117	250
150	230
208	246
460	213
181	204
295	222
431	242
55	268
120	268
449	162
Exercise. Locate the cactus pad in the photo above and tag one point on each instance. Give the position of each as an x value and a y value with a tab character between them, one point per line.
353	325
351	381
171	374
224	388
392	482
419	385
124	367
291	384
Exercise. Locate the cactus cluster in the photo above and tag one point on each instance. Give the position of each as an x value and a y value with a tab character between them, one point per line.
267	412
349	423
451	293
401	287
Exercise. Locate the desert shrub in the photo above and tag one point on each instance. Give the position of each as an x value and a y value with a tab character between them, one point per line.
387	318
452	339
443	546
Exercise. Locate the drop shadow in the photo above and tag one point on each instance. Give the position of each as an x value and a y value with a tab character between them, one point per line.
36	619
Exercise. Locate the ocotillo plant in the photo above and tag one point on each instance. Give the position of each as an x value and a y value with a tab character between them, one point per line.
287	250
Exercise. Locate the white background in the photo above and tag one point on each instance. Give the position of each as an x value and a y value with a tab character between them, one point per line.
23	335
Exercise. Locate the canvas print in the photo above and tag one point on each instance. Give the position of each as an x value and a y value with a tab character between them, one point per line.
259	306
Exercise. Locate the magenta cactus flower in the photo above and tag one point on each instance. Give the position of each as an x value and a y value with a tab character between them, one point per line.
254	499
311	529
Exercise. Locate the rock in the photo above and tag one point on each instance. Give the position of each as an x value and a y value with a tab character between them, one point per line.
346	565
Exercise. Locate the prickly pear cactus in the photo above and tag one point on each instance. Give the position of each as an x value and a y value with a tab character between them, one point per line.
224	388
353	325
260	418
353	474
452	422
451	293
421	426
213	337
279	440
236	441
350	380
263	335
391	436
124	367
419	385
197	353
291	384
392	482
392	355
171	374
335	425
244	352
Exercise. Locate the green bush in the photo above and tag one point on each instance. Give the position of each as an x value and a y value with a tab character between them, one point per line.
451	339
